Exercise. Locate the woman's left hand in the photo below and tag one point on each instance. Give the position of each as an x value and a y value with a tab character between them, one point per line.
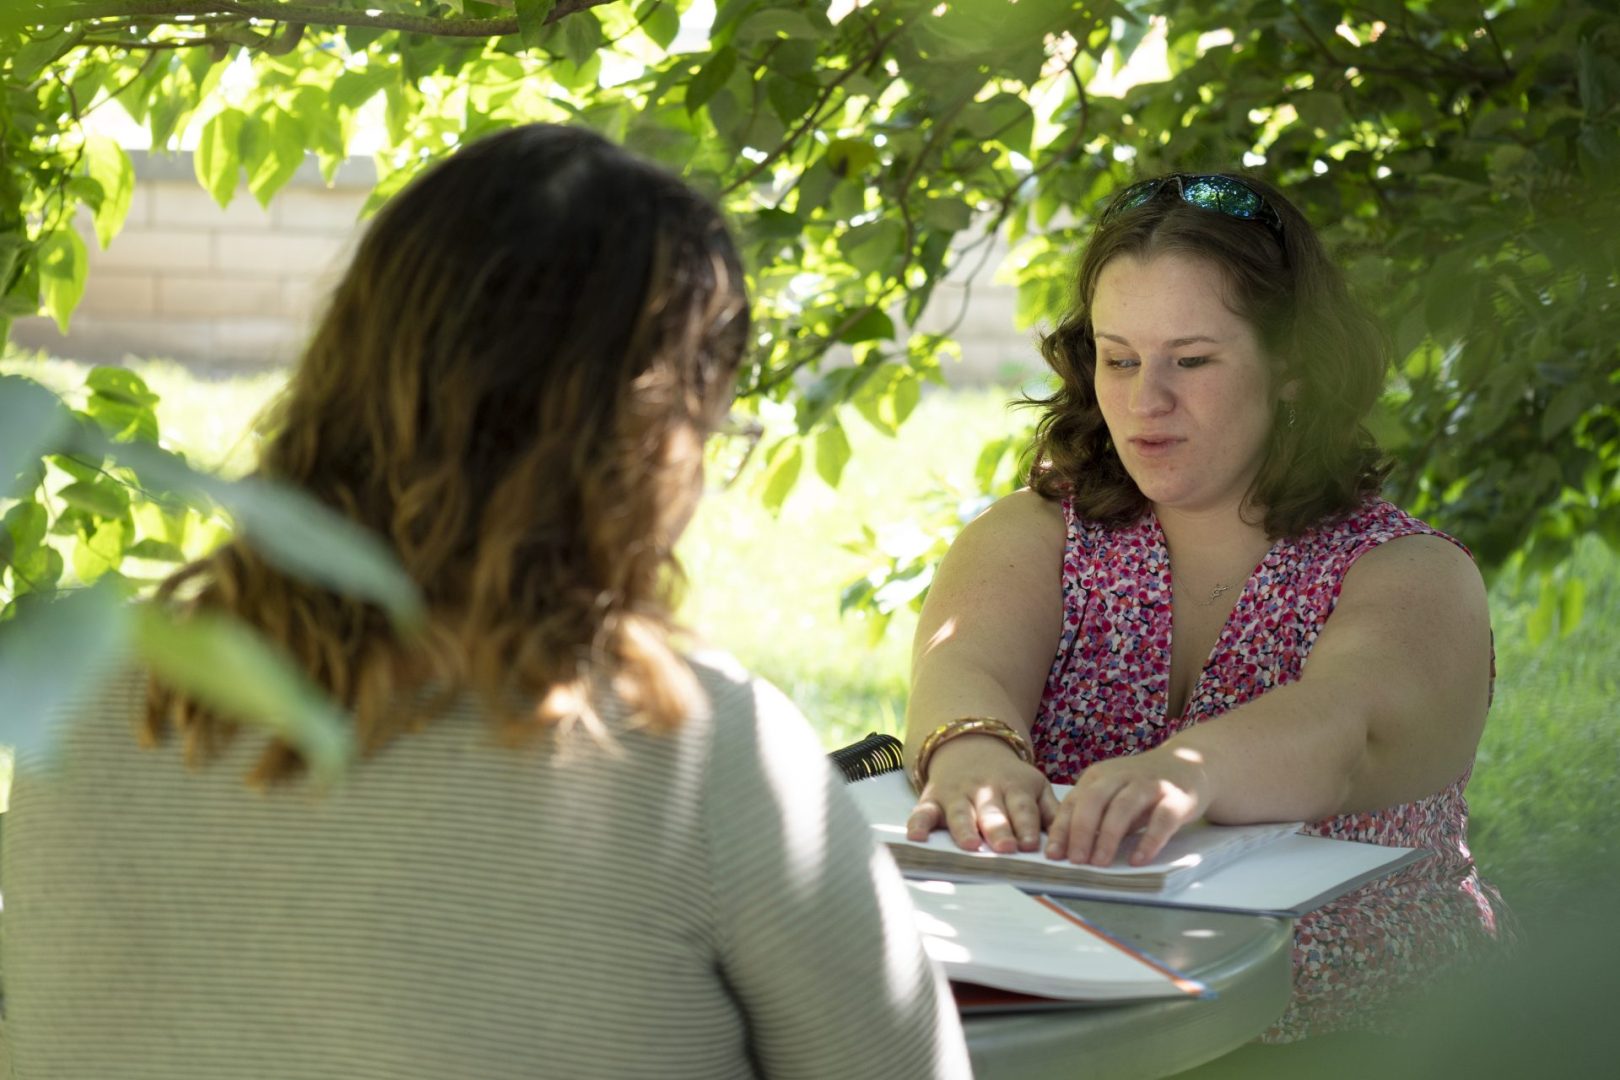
1158	791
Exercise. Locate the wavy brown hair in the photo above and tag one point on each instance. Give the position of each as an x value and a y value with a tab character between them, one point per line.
524	334
1309	326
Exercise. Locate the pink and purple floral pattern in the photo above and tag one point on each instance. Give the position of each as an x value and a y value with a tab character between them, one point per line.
1107	694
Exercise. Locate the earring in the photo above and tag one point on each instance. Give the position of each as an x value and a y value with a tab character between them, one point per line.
1292	415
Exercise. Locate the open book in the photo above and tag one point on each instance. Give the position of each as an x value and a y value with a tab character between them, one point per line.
1257	868
995	936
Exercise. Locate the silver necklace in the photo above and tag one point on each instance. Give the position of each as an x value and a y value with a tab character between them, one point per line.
1214	594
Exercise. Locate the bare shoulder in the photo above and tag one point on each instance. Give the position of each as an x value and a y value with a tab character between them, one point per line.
1023	519
1425	575
1014	548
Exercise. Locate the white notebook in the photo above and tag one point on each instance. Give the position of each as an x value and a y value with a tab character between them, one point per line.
1257	868
996	936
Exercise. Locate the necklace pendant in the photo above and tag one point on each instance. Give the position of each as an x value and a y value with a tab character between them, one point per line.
1215	593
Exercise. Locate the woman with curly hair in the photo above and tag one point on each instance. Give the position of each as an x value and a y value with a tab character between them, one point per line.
569	848
1200	607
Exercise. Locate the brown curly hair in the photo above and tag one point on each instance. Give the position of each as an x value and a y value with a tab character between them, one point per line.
1319	338
494	389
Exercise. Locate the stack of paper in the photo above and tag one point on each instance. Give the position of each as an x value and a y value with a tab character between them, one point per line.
1257	868
996	936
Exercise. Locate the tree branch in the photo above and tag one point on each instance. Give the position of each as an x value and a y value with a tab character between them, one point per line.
810	118
1005	203
313	14
155	47
131	81
1496	42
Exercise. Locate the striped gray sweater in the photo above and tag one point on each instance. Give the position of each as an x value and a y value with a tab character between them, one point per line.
702	904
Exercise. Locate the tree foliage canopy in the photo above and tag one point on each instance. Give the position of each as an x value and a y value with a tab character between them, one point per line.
1460	156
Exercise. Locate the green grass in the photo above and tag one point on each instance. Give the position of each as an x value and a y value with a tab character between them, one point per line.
208	418
1546	788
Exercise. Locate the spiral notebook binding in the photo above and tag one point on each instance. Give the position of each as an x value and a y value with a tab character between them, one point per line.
872	756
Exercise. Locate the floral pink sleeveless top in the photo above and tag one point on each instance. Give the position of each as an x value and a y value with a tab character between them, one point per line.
1107	694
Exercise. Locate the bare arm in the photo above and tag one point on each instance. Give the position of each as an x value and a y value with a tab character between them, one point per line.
1389	708
985	641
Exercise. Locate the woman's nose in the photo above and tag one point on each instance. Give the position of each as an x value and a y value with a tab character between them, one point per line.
1150	392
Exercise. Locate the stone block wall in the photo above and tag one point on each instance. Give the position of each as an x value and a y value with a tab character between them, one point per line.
211	287
237	288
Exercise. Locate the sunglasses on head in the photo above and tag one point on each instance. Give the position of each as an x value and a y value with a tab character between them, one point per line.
1218	194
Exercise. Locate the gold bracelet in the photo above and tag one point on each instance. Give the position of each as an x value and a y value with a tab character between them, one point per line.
967	725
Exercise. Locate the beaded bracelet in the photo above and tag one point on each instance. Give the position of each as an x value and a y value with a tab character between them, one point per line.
967	725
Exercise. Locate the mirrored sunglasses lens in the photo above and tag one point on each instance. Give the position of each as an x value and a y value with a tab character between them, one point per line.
1223	196
1137	194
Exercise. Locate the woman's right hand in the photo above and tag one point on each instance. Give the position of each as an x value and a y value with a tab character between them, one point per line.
982	793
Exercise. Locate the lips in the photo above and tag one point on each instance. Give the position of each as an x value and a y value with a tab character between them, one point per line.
1154	445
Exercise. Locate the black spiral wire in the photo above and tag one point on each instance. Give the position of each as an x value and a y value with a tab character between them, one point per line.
872	756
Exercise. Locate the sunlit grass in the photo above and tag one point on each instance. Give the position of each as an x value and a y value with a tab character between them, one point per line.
210	419
1546	789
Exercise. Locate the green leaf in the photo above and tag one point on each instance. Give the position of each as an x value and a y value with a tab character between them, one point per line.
775	224
230	669
1571	606
850	157
63	261
889	398
989	462
710	78
13	245
120	384
581	36
51	652
1538	627
781	472
108	165
218	157
906	588
157	551
531	17
874	247
1321	110
101	552
950	214
1598	79
791	98
1565	408
87	190
280	157
964	30
774	22
814	187
832	453
25	525
123	421
291	530
659	21
1006	118
874	325
352	89
32	420
102	498
31	58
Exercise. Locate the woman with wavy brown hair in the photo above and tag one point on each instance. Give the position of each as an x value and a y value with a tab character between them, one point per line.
1202	519
568	849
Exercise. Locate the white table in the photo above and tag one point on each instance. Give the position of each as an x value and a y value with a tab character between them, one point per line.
1245	959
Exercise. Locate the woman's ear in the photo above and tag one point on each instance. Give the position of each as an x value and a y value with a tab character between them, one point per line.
1289	391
